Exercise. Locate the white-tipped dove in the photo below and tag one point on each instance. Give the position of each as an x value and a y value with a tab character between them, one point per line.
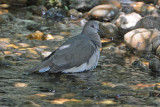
77	54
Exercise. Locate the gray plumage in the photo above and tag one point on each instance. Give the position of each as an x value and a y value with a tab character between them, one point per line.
77	54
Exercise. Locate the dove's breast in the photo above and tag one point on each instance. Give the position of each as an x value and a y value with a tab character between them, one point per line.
91	64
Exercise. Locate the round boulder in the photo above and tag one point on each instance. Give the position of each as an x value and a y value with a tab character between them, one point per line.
74	14
149	22
154	65
105	12
127	22
142	39
142	8
108	30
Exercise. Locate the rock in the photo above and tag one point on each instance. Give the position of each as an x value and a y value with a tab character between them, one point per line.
113	2
4	6
55	14
83	5
3	11
157	2
38	35
156	43
149	22
142	8
74	14
141	39
48	37
127	9
39	10
106	12
140	65
108	30
154	65
127	22
146	1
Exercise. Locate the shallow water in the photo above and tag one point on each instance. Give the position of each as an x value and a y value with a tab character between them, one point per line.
113	83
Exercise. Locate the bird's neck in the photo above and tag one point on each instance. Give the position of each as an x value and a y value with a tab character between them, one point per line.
94	37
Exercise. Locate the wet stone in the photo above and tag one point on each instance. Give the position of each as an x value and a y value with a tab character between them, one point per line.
39	10
55	14
108	30
142	8
154	65
127	22
149	22
74	14
141	39
105	12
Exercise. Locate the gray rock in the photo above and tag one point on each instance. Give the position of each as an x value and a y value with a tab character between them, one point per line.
108	30
154	65
83	5
55	14
149	22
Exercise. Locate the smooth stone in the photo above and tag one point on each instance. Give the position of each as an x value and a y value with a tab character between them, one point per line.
108	30
127	9
141	39
106	12
154	65
55	14
39	10
142	8
74	14
127	22
149	22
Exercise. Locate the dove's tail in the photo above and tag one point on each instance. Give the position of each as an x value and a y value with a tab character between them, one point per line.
41	68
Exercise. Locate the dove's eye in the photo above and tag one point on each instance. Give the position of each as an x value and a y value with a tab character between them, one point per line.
92	26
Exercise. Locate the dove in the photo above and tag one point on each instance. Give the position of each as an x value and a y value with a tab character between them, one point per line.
79	53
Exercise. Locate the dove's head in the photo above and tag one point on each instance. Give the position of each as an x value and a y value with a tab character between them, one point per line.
91	27
91	30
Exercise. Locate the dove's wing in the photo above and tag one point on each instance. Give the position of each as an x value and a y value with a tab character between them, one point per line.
73	53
